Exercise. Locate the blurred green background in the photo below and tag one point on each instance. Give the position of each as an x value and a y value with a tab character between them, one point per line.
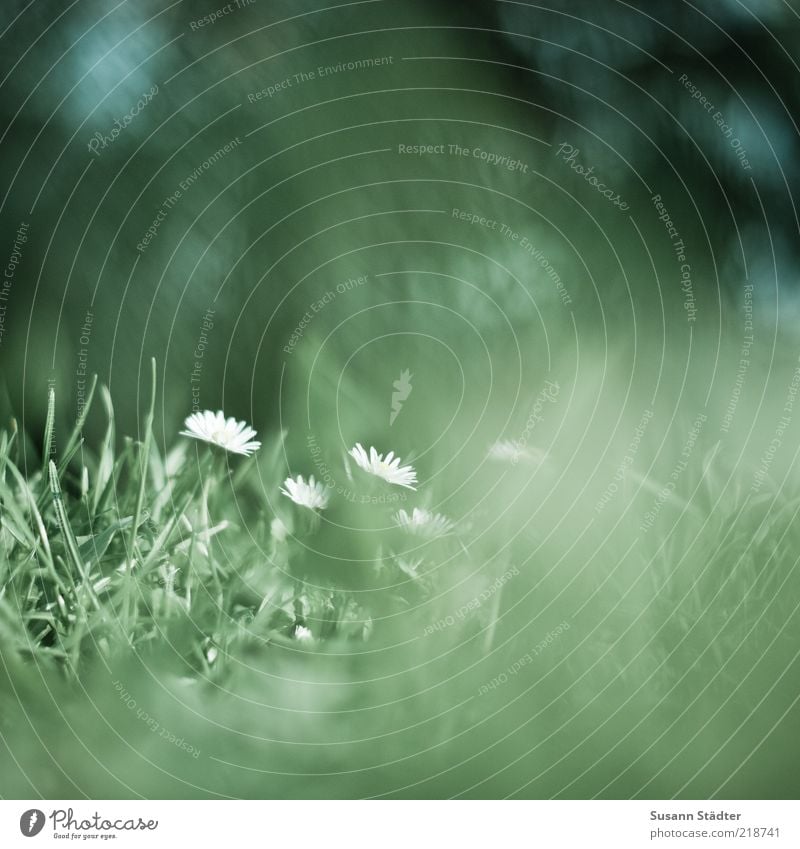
267	228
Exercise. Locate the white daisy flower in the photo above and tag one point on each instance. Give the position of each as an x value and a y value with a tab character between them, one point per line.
388	469
214	428
312	495
303	634
423	523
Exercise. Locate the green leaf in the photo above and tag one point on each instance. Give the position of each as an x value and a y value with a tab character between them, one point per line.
105	466
49	429
95	547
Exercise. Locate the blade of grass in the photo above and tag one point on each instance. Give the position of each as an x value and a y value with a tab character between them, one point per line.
144	461
105	465
168	528
122	464
76	431
68	455
143	464
61	468
63	521
37	516
71	543
97	544
49	429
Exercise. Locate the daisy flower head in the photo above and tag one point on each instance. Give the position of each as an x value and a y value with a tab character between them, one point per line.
312	495
235	437
388	468
303	634
423	523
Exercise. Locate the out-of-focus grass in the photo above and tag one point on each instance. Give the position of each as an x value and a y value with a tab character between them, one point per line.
545	647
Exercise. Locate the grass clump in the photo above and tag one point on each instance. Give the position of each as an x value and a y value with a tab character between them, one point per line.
202	620
116	550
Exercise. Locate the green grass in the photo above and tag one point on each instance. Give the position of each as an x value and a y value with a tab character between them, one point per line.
149	602
117	549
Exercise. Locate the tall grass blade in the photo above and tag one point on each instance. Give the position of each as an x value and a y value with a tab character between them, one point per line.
49	431
144	460
76	431
63	521
105	465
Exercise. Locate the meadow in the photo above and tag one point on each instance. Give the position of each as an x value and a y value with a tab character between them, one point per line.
399	399
174	625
